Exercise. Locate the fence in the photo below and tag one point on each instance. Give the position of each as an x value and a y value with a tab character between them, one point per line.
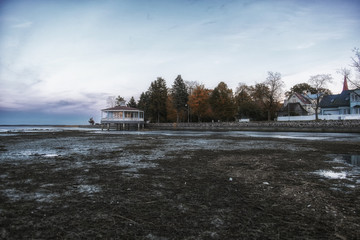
321	117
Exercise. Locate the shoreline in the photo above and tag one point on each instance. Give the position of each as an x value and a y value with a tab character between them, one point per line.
339	126
333	126
50	125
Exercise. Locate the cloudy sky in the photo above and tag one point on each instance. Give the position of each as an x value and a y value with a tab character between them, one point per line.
60	60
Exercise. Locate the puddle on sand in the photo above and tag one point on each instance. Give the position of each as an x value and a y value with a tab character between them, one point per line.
88	189
350	171
332	174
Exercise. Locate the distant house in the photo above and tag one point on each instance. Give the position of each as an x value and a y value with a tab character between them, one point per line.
297	105
343	106
122	117
355	101
338	104
347	102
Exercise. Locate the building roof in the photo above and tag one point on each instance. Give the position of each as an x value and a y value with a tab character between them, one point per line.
338	100
302	98
121	108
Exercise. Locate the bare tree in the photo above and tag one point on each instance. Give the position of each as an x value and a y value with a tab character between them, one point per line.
111	101
319	82
356	59
275	85
345	73
242	87
356	64
190	85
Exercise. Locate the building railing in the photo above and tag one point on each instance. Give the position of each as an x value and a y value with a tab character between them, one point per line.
138	119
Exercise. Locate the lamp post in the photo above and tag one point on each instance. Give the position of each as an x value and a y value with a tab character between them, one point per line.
188	110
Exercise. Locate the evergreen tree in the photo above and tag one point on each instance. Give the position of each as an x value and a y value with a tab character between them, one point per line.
132	103
158	98
144	104
119	101
179	96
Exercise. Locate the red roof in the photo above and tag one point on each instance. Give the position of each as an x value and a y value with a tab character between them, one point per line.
302	98
121	108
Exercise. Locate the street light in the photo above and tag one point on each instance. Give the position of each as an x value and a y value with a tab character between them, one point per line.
188	110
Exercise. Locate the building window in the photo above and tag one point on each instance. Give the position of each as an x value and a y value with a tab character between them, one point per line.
134	115
118	115
356	110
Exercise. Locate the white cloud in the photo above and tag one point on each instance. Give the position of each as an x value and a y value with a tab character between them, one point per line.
305	45
25	24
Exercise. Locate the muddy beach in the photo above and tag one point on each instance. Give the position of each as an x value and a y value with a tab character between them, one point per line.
178	185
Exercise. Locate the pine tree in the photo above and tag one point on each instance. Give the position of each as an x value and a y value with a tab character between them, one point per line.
119	101
179	96
144	104
158	98
132	103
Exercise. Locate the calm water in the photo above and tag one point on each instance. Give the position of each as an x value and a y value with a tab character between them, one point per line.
354	137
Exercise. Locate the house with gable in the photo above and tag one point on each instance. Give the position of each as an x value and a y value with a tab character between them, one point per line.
343	106
297	105
355	101
338	104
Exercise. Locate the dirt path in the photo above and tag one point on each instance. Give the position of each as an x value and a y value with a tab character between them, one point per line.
72	185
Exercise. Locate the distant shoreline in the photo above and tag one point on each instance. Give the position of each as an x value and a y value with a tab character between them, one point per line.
333	126
49	125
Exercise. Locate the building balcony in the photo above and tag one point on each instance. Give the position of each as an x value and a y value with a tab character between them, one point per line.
122	120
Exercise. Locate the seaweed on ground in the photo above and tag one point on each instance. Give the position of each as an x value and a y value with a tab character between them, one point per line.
89	185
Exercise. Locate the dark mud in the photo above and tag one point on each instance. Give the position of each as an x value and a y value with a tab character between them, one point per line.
85	185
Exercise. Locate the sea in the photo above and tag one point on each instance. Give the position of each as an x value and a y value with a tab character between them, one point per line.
312	136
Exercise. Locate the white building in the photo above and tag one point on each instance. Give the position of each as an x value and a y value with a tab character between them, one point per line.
122	117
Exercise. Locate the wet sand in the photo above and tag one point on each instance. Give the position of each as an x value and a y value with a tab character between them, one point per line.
83	184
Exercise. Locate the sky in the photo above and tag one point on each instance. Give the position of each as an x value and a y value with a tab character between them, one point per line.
61	60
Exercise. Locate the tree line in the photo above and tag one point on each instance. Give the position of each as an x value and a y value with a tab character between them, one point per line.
189	101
